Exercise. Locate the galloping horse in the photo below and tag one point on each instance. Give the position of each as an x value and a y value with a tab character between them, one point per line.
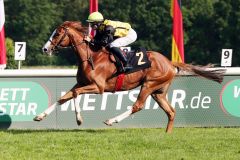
95	74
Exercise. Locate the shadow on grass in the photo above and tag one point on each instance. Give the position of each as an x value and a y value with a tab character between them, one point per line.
105	130
25	131
5	121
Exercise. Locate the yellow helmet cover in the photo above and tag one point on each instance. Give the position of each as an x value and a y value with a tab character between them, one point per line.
95	17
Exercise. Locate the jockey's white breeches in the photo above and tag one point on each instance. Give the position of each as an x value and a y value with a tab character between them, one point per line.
124	41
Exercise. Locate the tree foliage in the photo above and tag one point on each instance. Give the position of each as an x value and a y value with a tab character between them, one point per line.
209	26
11	63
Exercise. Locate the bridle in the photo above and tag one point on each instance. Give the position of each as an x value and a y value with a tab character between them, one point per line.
57	47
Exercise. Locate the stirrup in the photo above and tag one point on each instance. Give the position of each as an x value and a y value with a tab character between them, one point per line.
121	69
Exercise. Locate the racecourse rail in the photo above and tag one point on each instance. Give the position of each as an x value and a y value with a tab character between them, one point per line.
72	72
198	102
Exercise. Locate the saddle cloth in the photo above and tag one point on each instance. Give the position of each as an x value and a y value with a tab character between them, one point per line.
138	59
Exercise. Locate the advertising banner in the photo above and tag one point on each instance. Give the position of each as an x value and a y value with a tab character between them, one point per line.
198	103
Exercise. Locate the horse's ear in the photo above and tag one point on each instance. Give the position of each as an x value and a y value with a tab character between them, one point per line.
66	23
77	25
73	24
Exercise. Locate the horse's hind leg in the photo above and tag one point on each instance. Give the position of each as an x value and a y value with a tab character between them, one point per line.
137	106
160	98
69	95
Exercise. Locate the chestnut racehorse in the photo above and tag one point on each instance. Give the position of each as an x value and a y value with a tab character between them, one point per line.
95	74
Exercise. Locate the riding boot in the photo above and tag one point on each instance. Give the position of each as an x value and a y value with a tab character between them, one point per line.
117	51
119	65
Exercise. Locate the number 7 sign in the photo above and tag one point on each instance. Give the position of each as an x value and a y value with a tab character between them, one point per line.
20	51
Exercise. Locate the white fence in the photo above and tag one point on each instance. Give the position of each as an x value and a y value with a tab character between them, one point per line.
72	72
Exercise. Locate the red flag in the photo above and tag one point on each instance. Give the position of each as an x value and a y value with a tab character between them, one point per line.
93	7
177	37
2	37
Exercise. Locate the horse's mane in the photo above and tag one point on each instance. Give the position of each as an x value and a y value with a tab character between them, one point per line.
76	25
82	29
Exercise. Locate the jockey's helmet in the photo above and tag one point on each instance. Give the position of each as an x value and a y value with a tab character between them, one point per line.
95	17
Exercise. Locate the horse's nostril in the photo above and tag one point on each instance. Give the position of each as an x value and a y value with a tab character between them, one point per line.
45	49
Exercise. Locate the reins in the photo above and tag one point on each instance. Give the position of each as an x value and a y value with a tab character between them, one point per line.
89	59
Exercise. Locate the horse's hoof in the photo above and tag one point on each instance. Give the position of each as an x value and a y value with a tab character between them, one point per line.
79	123
79	119
38	118
107	122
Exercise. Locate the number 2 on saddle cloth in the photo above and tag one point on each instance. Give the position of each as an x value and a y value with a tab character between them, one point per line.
138	59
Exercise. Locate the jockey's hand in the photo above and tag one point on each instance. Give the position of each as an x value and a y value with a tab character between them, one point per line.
87	38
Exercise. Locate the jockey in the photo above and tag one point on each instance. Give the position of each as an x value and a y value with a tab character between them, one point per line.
112	35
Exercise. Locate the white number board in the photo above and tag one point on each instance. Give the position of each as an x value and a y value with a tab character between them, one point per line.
20	51
226	58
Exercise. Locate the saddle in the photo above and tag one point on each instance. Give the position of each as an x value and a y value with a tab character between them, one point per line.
138	59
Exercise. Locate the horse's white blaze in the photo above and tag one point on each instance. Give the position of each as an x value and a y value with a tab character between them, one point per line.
47	48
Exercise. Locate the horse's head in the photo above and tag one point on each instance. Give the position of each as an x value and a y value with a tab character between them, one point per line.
60	37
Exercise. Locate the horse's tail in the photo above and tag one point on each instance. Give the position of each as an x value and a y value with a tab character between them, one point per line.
204	71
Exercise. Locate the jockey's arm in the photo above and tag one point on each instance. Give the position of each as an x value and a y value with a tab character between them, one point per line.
94	41
90	39
101	38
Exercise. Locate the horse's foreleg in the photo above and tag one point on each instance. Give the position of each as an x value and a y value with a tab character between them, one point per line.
92	89
137	106
73	93
69	95
169	110
78	113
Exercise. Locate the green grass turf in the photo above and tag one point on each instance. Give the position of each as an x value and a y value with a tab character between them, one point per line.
121	144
